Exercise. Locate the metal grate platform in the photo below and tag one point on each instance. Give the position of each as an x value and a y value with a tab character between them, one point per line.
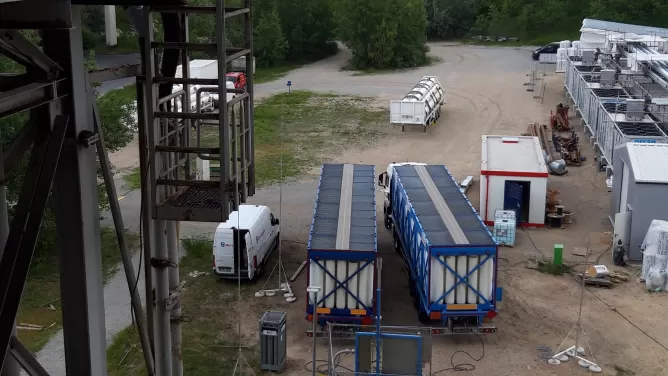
639	129
610	93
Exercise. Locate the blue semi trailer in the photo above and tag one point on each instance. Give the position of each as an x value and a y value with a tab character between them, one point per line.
449	254
342	246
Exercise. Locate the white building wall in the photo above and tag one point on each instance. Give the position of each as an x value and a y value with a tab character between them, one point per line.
538	192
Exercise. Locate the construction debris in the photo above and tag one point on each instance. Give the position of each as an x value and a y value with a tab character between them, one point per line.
24	326
559	119
603	277
566	144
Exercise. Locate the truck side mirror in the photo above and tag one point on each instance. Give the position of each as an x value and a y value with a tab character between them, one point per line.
381	179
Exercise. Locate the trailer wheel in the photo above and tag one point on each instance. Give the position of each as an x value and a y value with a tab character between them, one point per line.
388	222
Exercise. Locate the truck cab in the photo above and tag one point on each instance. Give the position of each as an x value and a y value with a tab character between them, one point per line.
384	182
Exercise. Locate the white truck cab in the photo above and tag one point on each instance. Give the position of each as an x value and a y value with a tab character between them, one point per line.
384	181
243	244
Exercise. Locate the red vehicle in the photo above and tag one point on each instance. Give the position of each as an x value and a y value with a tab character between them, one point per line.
238	78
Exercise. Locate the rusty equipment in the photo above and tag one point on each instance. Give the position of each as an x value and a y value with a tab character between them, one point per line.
566	144
559	118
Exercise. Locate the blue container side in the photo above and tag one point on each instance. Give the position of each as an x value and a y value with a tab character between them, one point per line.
412	215
366	250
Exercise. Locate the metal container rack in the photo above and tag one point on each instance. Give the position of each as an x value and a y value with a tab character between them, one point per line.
612	133
273	341
612	95
572	76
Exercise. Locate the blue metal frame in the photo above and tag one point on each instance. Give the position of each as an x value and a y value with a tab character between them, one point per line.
320	255
419	252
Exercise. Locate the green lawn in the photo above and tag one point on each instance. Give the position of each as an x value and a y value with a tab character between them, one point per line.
298	131
40	303
263	75
133	179
209	336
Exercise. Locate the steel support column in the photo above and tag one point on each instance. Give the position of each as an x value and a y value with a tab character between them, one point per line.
25	226
77	212
11	366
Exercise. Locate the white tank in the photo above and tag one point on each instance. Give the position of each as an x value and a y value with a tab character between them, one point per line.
420	104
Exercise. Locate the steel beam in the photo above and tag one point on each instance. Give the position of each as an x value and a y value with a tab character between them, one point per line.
11	367
10	81
25	358
31	53
36	14
77	213
26	224
29	96
250	111
115	208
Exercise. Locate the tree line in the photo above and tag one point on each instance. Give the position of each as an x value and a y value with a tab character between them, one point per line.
535	20
392	33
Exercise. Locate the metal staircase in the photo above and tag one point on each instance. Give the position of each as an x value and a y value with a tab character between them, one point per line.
167	128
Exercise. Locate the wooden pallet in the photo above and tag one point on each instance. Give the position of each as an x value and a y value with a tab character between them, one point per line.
598	282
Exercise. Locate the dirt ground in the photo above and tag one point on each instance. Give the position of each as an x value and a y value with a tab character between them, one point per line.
485	95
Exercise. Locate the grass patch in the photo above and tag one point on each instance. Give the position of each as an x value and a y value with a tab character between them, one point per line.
210	337
620	371
302	127
431	60
263	75
126	44
127	93
548	267
133	178
40	303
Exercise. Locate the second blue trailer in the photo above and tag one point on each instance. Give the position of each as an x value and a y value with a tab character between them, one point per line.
449	254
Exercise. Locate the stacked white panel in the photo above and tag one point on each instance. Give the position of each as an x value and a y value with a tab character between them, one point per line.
480	280
360	285
562	56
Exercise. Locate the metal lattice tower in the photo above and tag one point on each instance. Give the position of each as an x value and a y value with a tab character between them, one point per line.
64	137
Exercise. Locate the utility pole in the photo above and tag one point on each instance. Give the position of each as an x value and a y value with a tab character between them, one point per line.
110	31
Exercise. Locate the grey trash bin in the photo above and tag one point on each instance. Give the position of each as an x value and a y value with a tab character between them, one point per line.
273	344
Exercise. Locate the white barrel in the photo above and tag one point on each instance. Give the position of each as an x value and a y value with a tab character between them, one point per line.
564	44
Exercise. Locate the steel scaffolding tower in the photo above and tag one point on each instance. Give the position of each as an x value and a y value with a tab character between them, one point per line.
63	126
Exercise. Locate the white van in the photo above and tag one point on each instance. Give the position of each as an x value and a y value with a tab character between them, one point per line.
245	242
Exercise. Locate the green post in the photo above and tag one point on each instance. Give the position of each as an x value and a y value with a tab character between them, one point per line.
558	256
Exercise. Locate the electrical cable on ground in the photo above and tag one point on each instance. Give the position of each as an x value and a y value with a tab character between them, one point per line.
463	367
624	317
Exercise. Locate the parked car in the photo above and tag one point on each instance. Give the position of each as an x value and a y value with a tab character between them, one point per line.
237	78
242	245
546	49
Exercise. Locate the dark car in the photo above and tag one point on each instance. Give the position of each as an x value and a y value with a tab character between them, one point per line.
546	49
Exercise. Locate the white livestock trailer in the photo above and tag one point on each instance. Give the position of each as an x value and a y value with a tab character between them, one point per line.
421	106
